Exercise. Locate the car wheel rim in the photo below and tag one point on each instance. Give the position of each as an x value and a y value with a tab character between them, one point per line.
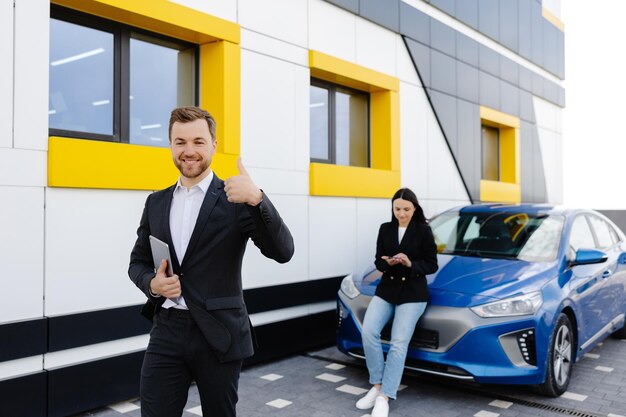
562	355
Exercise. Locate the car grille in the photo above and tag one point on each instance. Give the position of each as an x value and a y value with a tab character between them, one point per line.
422	338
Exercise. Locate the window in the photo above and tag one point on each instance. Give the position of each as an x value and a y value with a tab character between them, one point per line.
500	157
603	232
490	153
103	84
580	236
339	125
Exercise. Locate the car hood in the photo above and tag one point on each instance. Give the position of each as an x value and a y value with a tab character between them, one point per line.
465	281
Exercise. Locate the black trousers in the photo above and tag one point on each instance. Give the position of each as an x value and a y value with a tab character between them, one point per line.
177	354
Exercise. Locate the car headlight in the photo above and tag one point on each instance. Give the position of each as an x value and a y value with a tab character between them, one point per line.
521	305
348	287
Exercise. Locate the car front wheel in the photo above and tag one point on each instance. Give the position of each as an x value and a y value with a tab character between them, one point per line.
560	358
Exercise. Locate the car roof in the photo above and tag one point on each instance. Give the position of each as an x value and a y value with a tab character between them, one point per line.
532	209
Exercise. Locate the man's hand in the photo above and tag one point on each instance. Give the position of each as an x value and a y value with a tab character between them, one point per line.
241	189
161	284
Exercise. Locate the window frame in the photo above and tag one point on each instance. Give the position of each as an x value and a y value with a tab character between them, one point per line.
332	120
122	34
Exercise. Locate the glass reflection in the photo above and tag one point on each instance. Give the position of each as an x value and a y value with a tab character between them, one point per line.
318	108
161	78
81	79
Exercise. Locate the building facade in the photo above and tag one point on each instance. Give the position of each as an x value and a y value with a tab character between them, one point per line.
333	105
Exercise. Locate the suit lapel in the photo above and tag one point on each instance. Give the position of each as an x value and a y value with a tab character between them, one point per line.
210	199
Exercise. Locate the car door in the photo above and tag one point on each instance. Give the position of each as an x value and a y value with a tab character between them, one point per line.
586	281
610	294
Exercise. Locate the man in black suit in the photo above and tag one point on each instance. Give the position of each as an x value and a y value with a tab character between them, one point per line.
201	329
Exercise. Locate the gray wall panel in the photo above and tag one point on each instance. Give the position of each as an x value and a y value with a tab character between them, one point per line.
561	54
414	23
509	98
550	47
525	78
421	58
442	37
445	109
442	72
508	24
468	145
489	60
525	46
538	82
561	97
509	70
551	91
446	6
536	34
489	90
526	106
467	49
384	12
349	5
467	82
467	12
488	18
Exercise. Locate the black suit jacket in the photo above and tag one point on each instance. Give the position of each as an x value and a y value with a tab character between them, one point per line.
400	284
210	273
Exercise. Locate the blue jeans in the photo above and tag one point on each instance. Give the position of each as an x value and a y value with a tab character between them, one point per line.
378	313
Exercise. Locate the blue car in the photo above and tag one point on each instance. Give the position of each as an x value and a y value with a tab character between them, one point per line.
522	293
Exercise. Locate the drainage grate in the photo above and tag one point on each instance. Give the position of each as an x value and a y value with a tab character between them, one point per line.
532	404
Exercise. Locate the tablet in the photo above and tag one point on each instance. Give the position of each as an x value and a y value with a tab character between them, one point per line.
161	250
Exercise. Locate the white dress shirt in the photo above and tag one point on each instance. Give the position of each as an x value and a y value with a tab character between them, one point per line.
183	217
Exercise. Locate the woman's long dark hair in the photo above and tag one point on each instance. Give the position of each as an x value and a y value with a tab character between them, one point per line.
408	195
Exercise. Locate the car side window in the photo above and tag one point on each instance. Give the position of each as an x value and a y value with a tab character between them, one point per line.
580	235
603	233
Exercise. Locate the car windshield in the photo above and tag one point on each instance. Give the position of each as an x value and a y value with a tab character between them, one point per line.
512	235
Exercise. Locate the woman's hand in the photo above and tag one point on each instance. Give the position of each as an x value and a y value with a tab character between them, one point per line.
399	258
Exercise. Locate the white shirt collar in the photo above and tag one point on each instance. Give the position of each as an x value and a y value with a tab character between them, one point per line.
203	185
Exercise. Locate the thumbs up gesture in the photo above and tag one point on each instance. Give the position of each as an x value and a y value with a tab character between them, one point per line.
241	189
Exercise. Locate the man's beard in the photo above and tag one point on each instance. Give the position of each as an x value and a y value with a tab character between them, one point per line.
192	172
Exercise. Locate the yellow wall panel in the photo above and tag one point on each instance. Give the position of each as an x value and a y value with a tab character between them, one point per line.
342	181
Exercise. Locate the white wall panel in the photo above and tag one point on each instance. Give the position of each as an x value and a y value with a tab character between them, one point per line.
89	236
31	74
444	182
414	157
23	167
302	122
547	115
406	69
6	74
21	252
551	147
259	271
19	367
371	213
333	236
281	19
277	181
332	30
256	42
375	47
434	207
226	10
268	115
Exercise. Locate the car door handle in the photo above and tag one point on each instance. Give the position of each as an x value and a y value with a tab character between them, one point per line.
607	273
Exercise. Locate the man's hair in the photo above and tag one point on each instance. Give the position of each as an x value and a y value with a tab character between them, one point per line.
189	114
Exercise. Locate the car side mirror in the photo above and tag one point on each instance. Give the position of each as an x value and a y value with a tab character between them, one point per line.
588	257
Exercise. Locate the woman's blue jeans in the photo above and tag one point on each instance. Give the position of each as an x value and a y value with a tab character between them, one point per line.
378	313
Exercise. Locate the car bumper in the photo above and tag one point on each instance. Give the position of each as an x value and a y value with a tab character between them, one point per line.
486	350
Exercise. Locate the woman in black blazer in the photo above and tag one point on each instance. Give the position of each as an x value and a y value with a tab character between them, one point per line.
405	252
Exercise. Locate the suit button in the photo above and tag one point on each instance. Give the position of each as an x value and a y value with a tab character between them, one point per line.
403	279
391	277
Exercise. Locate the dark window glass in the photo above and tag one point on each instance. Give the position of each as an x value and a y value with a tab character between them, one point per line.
81	78
339	125
108	82
491	153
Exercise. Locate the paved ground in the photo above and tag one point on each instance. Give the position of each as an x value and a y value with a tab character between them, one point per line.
327	383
